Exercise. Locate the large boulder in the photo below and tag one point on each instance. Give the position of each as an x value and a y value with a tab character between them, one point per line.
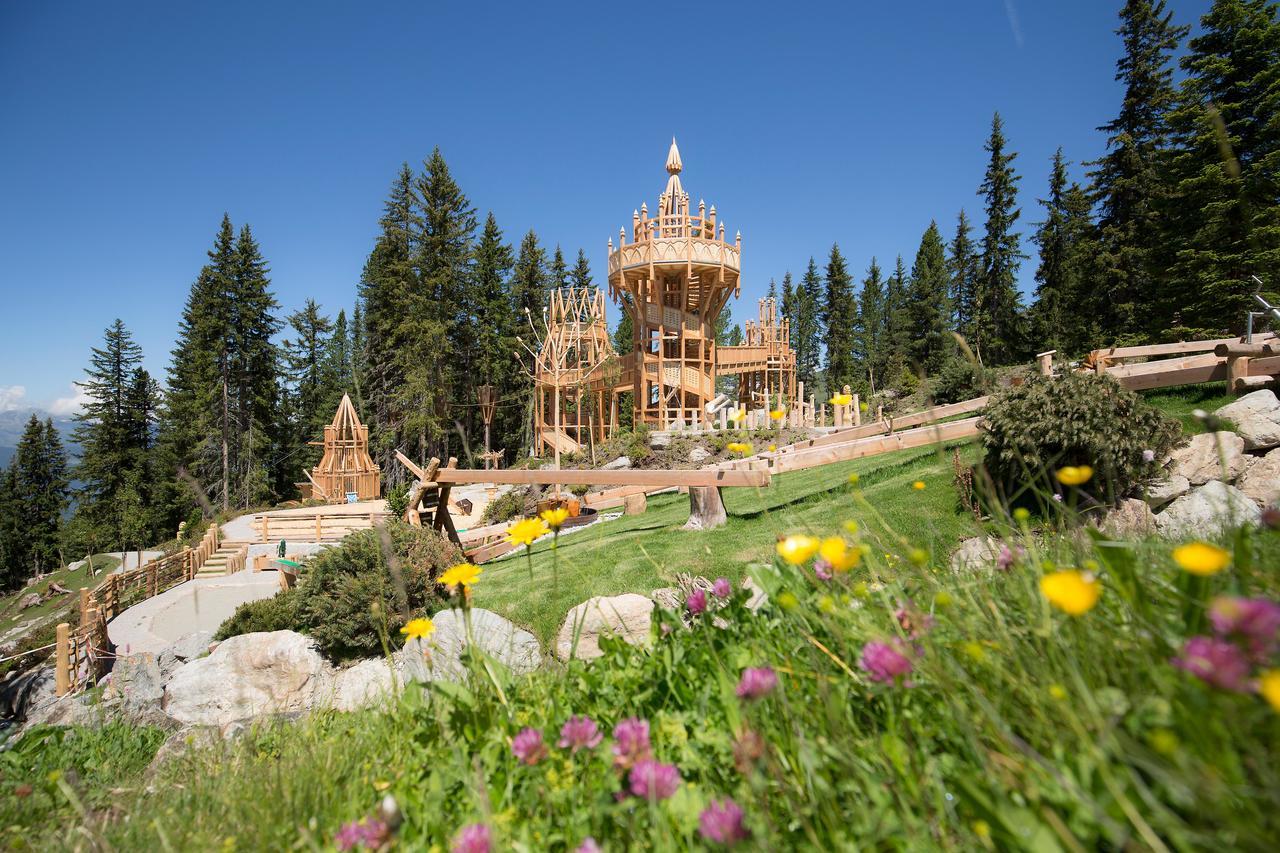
627	616
1130	519
1206	512
441	656
620	464
1170	488
137	680
977	552
1209	456
186	648
247	676
1262	479
366	683
1257	419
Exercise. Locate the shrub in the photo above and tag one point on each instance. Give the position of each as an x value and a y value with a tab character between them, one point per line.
335	598
509	505
398	500
1032	430
960	379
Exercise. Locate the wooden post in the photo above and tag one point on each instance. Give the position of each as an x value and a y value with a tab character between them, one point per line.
1045	360
84	604
152	581
857	411
706	508
724	418
1237	371
266	527
62	665
318	531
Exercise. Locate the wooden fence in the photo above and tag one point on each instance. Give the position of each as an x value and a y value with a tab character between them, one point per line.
318	527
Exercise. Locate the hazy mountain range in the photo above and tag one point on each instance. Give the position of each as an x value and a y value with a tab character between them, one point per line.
14	421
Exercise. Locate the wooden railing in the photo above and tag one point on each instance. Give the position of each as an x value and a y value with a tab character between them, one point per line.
314	528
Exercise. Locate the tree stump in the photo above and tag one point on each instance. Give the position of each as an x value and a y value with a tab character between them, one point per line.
706	509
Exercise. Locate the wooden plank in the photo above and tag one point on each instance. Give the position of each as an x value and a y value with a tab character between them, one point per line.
906	440
1150	368
1264	366
547	476
1182	376
1149	350
413	467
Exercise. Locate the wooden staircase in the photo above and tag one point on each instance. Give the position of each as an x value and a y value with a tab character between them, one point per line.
230	557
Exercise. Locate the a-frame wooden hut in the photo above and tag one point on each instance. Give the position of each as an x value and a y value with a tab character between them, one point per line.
346	466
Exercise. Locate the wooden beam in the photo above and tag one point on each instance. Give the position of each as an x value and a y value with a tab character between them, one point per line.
1175	348
1192	375
858	448
520	477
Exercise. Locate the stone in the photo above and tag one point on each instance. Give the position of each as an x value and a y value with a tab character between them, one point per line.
659	440
620	464
1161	492
494	635
977	552
1130	519
1260	432
1244	407
1209	456
635	504
699	454
182	741
1206	512
30	600
23	692
627	616
186	648
74	709
247	676
1262	479
366	683
137	680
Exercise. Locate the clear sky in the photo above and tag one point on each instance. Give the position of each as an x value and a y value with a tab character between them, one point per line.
126	129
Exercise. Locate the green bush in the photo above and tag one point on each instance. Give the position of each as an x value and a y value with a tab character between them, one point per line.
960	379
398	501
348	598
508	505
1032	430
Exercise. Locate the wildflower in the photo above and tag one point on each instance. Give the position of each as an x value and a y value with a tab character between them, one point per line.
418	629
630	742
742	448
526	530
851	526
748	748
982	829
1057	497
696	602
822	569
1021	514
722	588
1254	621
588	845
555	518
772	448
757	681
1007	557
1072	592
1148	456
797	548
528	747
919	556
366	832
473	838
918	485
463	574
1074	475
974	651
838	555
885	662
738	414
579	733
853	480
778	414
1201	558
652	780
1214	661
841	399
1057	691
827	604
787	600
943	599
721	822
913	623
1269	687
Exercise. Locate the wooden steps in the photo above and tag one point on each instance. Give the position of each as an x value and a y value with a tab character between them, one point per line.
223	559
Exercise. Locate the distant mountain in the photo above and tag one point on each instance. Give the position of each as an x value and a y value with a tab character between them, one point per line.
14	421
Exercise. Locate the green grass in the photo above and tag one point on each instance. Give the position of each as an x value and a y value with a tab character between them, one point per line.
11	615
1181	402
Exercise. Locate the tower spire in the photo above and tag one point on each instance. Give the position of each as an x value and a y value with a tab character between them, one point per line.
673	159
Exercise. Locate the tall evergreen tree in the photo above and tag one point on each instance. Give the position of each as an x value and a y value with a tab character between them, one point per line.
808	329
580	275
37	486
529	282
259	425
841	316
1128	179
788	307
1065	313
495	362
964	266
996	317
13	561
895	346
558	272
338	356
313	380
871	306
928	307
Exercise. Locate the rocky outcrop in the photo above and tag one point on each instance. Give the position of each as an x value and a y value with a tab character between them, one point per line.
977	552
1209	456
620	464
137	681
1257	419
1262	479
1130	519
1206	512
627	616
441	656
1161	492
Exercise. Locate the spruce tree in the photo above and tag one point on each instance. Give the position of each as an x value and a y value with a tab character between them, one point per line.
529	281
996	316
558	273
13	562
895	346
38	496
808	329
580	275
259	426
312	380
495	362
788	307
928	307
840	314
338	357
1064	316
963	265
871	306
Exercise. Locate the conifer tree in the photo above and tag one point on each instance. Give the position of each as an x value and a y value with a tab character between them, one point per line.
338	357
896	329
871	305
495	362
773	290
996	316
259	426
580	275
841	315
788	307
359	363
928	308
808	329
312	378
963	265
529	281
13	561
558	273
37	496
1065	313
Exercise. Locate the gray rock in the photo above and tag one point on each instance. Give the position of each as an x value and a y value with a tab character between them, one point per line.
74	709
369	682
181	742
1262	479
1257	419
137	680
977	552
1130	519
441	656
1161	492
627	616
30	600
22	693
187	648
659	440
699	454
248	676
1260	432
1209	456
1207	512
620	464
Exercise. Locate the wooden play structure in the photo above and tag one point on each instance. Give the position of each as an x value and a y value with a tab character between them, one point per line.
346	467
765	363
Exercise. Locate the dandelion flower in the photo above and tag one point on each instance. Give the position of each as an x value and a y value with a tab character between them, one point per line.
772	448
463	574
1072	592
918	485
1269	687
738	414
757	681
555	518
778	414
721	822
526	530
1201	558
797	548
1057	691
418	629
837	553
1074	475
841	399
742	448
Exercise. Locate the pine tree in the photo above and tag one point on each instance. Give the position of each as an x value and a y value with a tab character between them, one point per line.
871	307
895	339
964	267
312	380
37	496
338	357
495	362
13	562
808	330
559	273
1064	314
773	290
580	275
1127	181
788	307
996	316
259	426
928	307
359	362
529	283
1225	216
841	315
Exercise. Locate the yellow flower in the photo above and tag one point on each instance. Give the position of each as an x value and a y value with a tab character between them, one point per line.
982	829
1201	558
918	485
1071	591
1021	514
464	574
418	629
919	556
943	599
1057	691
841	399
854	478
772	448
1269	687
739	447
737	414
851	526
777	414
788	601
1074	475
974	651
797	549
1163	741
837	552
554	518
524	531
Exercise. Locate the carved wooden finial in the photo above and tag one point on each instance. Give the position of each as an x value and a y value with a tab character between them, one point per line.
673	159
611	245
644	210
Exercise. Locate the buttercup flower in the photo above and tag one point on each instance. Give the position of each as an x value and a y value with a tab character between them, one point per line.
838	555
473	838
630	742
721	822
579	733
737	414
742	448
652	780
797	548
918	485
554	518
1074	475
528	747
1072	592
463	574
526	530
757	681
366	832
772	448
418	629
777	414
1269	687
841	399
1216	662
1201	558
697	601
885	662
722	588
1254	621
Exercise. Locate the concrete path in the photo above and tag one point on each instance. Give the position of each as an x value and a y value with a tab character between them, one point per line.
194	607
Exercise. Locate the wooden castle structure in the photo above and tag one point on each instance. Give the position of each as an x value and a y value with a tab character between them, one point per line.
765	363
346	466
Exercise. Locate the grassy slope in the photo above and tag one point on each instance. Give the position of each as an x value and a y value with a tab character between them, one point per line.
11	615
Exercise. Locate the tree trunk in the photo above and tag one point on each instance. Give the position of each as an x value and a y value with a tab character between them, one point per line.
706	509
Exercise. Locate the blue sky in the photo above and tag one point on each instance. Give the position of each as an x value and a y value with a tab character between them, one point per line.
127	130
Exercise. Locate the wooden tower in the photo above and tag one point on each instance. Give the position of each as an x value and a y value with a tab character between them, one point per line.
673	278
570	378
765	363
346	465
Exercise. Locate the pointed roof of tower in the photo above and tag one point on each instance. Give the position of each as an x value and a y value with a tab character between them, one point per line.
673	159
674	194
